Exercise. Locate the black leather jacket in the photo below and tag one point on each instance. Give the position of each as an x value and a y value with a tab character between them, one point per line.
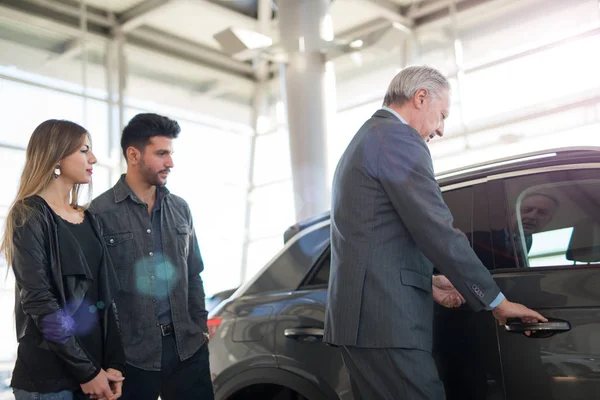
52	278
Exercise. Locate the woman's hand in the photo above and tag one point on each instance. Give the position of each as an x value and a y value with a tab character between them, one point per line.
105	385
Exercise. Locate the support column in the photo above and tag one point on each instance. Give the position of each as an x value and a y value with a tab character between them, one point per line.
304	27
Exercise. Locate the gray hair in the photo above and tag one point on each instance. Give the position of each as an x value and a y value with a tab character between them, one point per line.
546	195
406	83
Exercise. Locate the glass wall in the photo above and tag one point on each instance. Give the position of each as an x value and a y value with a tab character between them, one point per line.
271	198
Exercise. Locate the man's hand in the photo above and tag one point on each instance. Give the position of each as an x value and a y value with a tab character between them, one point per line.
507	309
99	387
444	292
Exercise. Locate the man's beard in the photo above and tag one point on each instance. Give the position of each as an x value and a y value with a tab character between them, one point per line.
151	177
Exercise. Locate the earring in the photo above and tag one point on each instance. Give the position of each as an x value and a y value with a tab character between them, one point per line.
56	173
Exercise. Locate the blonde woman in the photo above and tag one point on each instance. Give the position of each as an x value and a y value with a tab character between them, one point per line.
69	342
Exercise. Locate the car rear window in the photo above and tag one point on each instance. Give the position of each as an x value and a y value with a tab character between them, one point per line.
288	270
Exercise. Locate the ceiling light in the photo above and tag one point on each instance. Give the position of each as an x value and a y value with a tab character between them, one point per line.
356	44
238	43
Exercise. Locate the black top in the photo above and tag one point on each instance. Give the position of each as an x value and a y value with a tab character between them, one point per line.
87	320
48	373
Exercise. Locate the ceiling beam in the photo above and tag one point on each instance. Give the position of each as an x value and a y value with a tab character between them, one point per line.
234	16
72	9
363	29
69	49
66	24
161	42
422	10
150	39
138	14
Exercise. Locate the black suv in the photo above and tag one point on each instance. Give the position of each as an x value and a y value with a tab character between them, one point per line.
533	220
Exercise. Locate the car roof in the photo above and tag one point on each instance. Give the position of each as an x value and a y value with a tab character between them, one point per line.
537	159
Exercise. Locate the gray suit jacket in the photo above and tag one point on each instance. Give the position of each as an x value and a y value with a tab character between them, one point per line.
389	223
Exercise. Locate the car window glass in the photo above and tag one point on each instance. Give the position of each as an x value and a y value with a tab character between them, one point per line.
554	219
288	270
320	277
469	209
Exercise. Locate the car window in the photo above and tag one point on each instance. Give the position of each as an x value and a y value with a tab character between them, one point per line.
287	271
469	209
322	275
553	219
319	276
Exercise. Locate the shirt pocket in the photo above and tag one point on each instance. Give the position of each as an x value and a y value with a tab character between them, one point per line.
121	249
183	240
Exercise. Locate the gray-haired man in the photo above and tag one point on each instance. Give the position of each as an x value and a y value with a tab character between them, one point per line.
388	220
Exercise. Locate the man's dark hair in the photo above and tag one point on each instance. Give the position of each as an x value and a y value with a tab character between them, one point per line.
142	127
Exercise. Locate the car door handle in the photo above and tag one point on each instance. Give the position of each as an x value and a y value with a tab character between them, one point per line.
554	326
295	333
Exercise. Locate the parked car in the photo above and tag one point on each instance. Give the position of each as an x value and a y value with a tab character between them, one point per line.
533	220
214	300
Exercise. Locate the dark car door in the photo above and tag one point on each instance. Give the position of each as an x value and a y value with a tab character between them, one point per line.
299	334
465	343
547	257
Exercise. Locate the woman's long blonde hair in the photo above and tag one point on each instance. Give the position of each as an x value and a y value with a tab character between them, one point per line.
50	142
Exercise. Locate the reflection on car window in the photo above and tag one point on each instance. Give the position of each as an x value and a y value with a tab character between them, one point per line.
469	210
554	221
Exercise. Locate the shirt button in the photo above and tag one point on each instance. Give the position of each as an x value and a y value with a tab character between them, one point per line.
151	254
112	240
149	230
152	277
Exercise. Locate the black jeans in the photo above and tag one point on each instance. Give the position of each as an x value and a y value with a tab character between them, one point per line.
177	380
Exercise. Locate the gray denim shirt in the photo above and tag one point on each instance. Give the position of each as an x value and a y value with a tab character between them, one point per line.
127	231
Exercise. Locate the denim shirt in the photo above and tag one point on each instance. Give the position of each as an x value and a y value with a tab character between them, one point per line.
163	270
127	231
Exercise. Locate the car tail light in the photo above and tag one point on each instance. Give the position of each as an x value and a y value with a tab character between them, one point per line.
213	325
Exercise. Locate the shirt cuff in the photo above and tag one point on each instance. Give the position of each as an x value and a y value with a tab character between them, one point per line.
496	301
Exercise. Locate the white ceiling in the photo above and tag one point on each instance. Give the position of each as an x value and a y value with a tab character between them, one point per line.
198	20
347	14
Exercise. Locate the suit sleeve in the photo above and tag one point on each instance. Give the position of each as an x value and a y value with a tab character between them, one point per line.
406	173
36	294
